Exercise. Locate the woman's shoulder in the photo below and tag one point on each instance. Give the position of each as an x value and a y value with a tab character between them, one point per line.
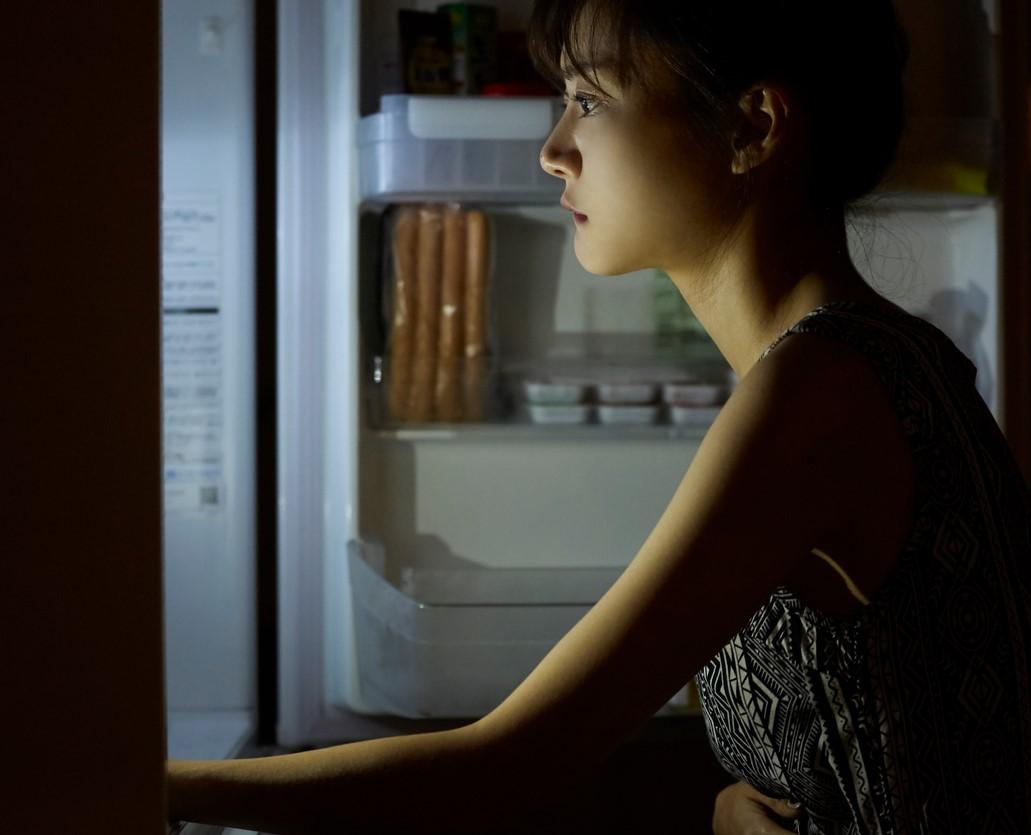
827	399
893	339
821	367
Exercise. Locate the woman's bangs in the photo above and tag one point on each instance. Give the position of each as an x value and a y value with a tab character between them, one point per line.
586	35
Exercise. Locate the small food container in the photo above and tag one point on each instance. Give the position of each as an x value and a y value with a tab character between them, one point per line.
548	392
626	392
694	394
623	415
560	414
693	415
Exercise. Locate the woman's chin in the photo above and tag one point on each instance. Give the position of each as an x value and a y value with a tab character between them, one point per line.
597	263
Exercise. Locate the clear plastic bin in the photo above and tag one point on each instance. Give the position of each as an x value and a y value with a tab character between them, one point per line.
454	643
462	147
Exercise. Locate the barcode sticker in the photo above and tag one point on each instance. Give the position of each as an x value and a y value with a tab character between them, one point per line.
191	497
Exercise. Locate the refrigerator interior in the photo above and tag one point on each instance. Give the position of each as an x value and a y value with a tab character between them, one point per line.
380	518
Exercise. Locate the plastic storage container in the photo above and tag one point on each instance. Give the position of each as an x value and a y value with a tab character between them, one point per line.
560	414
464	147
628	415
626	392
546	392
694	394
693	415
453	643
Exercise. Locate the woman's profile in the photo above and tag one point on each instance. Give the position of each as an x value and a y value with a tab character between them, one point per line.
845	567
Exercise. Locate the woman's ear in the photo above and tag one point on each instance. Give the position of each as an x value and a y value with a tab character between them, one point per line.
760	125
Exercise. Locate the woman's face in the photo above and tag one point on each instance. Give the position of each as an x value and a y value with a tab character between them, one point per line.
646	190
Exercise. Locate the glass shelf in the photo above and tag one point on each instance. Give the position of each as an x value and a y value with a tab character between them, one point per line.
879	201
538	432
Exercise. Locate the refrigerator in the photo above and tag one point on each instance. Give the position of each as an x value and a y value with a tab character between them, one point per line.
415	570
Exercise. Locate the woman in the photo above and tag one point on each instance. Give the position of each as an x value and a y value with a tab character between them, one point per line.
845	563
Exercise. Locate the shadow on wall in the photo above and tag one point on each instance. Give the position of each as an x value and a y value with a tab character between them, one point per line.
962	314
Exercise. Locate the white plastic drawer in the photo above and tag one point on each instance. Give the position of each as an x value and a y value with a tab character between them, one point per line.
454	643
480	147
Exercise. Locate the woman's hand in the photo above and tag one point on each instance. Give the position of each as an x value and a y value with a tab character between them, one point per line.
741	810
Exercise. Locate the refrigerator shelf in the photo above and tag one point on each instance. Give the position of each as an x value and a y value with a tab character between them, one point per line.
534	398
544	432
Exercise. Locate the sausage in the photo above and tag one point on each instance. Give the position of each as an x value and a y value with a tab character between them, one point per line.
404	243
475	352
451	335
420	400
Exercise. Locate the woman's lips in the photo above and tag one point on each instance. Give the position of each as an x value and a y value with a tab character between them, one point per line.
577	216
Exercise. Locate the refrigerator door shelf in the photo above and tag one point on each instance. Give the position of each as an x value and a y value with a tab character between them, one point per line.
453	643
457	148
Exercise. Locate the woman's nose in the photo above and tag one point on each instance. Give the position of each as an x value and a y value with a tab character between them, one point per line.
560	159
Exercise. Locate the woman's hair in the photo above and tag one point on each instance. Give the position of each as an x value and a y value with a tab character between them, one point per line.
841	60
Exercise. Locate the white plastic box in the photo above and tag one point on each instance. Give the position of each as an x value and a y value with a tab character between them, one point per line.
618	393
454	643
694	394
628	415
552	392
462	147
693	415
561	413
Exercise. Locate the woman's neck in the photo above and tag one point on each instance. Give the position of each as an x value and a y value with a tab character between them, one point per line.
766	280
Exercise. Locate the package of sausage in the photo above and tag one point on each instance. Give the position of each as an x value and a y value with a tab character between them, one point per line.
437	310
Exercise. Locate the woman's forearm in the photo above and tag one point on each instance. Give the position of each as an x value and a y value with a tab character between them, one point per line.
431	782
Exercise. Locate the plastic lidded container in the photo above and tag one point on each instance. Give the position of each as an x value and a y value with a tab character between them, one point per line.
694	393
551	392
624	414
626	392
693	415
560	414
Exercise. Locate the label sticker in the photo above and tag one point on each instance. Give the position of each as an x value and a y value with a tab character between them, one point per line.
192	358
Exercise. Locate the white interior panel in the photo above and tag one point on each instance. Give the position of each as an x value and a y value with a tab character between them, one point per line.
207	149
585	503
943	266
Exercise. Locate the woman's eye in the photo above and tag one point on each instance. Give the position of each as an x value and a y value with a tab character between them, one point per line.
587	104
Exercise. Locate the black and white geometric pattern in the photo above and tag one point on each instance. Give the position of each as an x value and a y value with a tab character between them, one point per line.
913	716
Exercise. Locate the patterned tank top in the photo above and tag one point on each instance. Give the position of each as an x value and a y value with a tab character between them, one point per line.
914	714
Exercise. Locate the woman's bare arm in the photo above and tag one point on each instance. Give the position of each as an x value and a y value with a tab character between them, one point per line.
764	488
429	782
760	492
